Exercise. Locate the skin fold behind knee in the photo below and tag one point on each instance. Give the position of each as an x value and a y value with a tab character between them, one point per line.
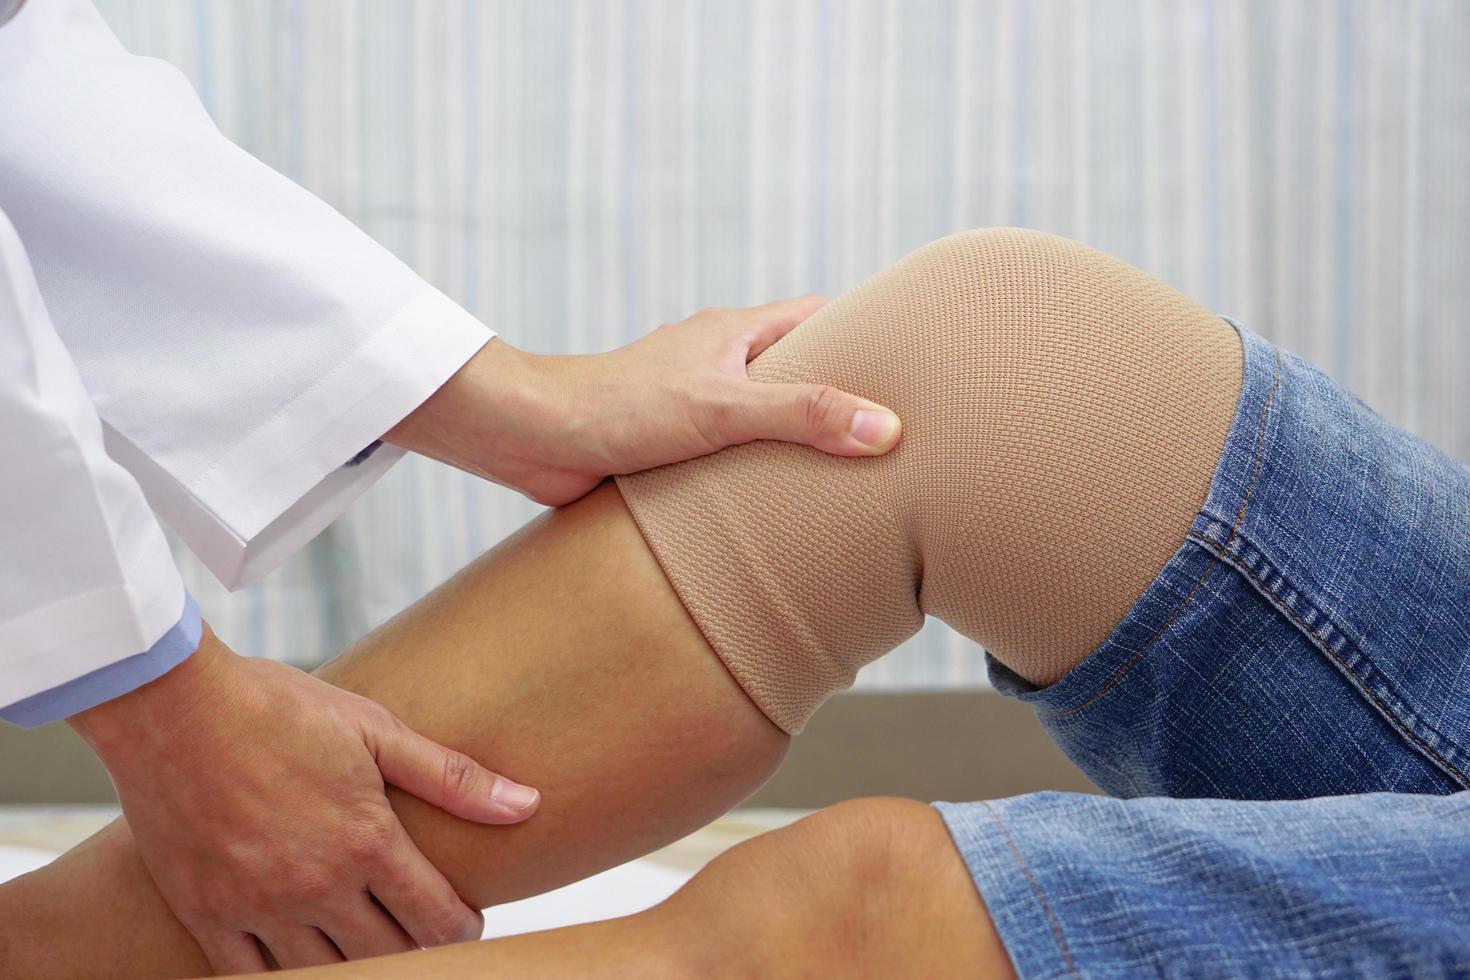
1063	414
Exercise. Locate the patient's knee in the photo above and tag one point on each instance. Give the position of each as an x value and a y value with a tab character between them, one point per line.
1062	415
866	855
824	879
851	890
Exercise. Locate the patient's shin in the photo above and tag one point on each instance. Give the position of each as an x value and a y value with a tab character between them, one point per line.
1062	416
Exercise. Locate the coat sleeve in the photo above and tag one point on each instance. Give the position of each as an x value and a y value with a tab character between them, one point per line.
243	343
91	605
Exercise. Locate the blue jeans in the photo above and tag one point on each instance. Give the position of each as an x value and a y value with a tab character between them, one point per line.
1310	638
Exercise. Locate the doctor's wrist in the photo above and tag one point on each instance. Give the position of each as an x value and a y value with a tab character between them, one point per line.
504	417
124	727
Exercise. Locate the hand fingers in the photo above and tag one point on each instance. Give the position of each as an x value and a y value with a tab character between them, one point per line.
422	900
776	320
362	928
294	946
814	415
231	952
451	780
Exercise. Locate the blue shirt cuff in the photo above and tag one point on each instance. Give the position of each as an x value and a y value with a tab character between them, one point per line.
114	680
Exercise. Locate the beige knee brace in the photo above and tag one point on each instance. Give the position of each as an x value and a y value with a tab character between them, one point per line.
1062	416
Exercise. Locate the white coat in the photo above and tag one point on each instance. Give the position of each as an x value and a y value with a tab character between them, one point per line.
183	331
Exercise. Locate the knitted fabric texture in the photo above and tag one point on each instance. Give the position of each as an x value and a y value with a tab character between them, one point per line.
1062	417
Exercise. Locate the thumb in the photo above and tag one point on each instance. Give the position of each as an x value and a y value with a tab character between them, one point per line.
451	780
820	416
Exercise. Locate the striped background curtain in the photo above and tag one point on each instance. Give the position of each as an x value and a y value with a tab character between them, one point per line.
576	172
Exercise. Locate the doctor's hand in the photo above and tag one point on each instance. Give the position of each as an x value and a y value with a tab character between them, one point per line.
553	427
255	794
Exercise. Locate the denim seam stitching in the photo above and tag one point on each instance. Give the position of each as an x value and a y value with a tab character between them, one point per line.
1051	916
1333	651
1132	661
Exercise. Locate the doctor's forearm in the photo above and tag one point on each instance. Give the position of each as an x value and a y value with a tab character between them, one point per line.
554	426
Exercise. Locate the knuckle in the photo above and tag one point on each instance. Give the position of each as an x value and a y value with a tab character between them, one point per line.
241	855
316	889
705	318
372	838
822	404
452	924
375	715
460	775
312	886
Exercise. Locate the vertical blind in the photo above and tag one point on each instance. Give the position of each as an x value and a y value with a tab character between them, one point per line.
576	172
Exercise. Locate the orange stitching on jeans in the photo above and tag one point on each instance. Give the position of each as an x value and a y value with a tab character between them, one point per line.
1320	642
1056	925
1174	614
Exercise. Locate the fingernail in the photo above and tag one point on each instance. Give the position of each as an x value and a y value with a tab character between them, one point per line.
513	795
875	429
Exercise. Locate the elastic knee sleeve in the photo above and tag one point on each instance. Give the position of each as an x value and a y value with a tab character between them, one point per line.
1062	416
